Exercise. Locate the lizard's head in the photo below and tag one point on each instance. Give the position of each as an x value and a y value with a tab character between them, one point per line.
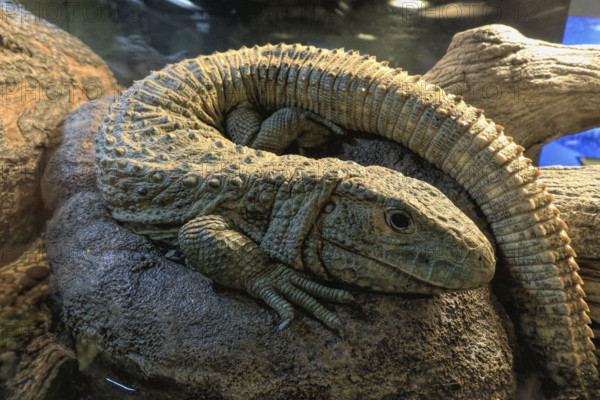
388	232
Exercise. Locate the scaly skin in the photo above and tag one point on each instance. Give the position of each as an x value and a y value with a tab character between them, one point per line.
264	223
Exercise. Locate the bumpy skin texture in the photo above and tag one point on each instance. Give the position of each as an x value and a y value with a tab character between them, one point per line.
250	219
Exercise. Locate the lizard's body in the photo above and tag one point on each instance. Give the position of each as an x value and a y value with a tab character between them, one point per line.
248	218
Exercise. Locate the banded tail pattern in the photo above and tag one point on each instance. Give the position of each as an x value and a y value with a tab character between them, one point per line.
358	93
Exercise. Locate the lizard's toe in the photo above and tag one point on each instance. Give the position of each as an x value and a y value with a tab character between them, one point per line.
310	304
279	304
321	291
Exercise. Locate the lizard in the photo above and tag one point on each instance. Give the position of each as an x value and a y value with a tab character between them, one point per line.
192	156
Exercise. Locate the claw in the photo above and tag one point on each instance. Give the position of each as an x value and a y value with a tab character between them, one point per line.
339	327
279	304
285	324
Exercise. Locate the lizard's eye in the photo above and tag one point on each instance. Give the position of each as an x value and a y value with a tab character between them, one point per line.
398	220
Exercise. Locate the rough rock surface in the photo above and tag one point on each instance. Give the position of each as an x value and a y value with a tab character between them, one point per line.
45	73
148	318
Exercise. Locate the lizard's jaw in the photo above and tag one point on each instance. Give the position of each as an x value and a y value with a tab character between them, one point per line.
410	271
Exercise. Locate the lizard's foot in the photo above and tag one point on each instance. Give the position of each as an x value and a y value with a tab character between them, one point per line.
213	246
276	133
281	285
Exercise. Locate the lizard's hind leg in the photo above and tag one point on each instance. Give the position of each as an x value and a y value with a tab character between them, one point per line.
282	128
215	248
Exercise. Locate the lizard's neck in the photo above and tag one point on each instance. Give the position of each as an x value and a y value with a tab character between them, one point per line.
298	203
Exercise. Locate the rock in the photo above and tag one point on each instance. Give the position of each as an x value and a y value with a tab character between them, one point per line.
133	58
24	318
141	318
70	170
8	364
45	73
5	300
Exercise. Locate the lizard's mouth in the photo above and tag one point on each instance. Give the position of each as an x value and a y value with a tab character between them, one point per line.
407	271
367	272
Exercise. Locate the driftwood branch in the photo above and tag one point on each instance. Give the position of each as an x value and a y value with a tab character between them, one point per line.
538	91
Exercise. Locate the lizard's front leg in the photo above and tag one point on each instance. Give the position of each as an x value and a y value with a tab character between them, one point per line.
215	248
